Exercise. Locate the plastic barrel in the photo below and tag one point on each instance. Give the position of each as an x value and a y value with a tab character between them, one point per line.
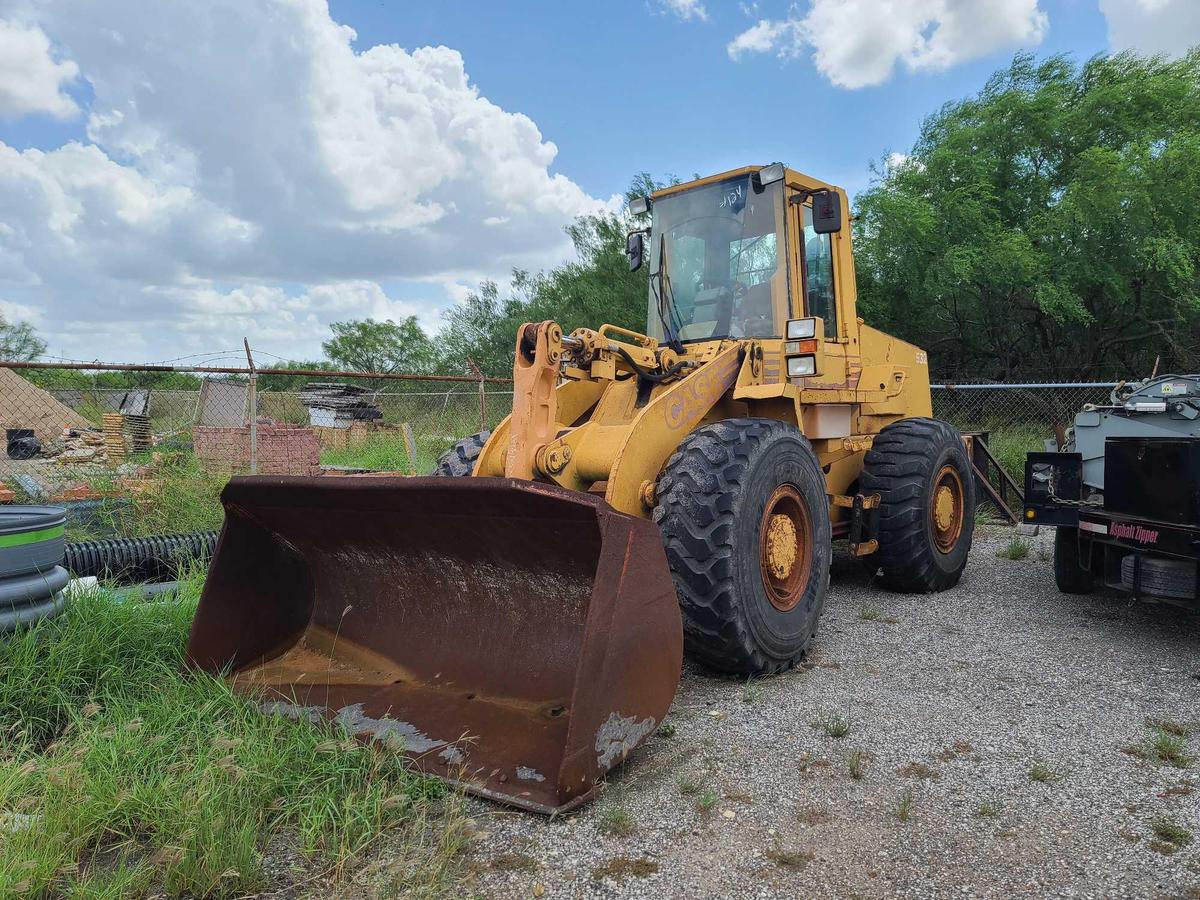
31	539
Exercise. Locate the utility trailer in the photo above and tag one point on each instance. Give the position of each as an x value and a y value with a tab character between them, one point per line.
1124	494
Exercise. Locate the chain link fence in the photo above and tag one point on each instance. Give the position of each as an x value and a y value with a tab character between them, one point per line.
1016	418
146	450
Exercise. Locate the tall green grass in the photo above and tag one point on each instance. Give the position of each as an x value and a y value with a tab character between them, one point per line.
382	453
122	775
179	495
1010	443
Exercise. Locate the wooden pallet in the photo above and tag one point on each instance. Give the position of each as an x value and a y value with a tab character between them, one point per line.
124	435
113	427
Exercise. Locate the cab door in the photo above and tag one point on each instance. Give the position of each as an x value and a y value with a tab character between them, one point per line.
826	290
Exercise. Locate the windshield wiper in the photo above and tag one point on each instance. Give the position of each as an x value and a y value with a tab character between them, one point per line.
664	296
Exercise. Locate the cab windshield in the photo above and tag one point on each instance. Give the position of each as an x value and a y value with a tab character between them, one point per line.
716	261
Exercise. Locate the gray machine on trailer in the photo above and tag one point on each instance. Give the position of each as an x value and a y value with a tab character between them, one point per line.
1124	492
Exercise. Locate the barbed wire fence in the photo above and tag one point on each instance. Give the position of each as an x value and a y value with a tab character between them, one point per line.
142	440
146	449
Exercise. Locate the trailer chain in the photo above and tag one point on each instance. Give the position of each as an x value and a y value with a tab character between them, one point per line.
1090	502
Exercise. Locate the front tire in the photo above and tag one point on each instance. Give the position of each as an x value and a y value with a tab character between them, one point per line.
926	486
745	522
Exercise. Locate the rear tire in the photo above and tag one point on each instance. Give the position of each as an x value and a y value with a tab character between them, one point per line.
921	472
1169	579
459	460
745	523
1070	578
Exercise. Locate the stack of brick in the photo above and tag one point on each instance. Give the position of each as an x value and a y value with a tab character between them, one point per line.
282	449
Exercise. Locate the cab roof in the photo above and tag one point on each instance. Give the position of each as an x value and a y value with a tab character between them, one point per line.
792	178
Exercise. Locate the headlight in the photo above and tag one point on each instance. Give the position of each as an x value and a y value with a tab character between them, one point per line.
799	329
801	366
772	173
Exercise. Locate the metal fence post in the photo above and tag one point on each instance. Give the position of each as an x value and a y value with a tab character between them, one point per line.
482	394
252	402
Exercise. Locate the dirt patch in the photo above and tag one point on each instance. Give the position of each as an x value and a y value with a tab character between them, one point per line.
622	867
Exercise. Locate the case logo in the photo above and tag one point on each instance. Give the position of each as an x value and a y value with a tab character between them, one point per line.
697	394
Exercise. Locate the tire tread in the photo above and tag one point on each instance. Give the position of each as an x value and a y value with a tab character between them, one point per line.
898	468
459	460
695	511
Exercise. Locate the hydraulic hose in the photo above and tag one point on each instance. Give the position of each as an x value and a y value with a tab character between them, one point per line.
656	377
132	560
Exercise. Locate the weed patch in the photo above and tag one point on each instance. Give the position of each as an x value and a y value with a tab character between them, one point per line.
621	867
919	770
616	820
1169	836
904	806
833	725
856	764
515	862
1015	549
1171	726
130	775
178	496
1042	773
1164	745
789	859
988	809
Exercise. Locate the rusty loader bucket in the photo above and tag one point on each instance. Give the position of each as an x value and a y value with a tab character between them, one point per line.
515	637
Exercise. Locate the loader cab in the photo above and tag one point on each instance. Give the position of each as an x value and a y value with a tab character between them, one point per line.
739	254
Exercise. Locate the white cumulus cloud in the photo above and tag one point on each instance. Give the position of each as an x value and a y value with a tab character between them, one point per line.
1171	27
687	9
31	79
859	43
247	170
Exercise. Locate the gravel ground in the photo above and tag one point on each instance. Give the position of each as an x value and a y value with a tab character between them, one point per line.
955	702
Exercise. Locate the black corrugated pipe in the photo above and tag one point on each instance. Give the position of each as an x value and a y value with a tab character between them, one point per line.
132	560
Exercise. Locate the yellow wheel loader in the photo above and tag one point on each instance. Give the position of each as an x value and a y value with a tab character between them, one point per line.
520	629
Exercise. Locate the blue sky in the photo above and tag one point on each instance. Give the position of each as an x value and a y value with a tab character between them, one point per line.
174	176
626	87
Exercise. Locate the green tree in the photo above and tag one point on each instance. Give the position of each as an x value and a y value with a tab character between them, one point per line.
269	381
1047	226
366	345
19	341
594	289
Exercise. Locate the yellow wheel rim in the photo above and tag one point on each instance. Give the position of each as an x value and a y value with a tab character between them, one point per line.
947	508
785	542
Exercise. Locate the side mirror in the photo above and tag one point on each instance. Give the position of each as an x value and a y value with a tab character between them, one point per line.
827	212
635	249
